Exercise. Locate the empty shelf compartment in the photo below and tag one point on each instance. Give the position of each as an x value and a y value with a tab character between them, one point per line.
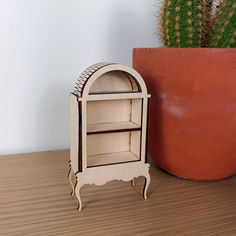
111	158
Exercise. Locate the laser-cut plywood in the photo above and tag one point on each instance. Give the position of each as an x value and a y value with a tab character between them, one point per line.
109	109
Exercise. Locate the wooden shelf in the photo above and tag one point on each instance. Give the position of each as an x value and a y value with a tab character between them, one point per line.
112	127
111	158
118	96
108	122
36	204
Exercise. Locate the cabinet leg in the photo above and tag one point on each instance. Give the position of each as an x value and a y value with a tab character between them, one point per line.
146	184
77	192
132	183
70	176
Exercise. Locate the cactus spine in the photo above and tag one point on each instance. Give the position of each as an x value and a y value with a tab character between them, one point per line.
198	23
223	33
182	23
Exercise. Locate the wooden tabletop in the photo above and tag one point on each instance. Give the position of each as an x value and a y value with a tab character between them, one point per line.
35	200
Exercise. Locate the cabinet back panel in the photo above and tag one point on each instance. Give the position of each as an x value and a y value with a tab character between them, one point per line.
108	143
108	111
114	81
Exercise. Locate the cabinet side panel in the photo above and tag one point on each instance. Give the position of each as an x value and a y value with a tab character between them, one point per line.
135	143
144	130
74	136
136	111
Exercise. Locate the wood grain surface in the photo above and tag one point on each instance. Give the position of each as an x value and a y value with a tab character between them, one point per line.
35	200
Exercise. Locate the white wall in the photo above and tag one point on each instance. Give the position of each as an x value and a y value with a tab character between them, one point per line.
44	45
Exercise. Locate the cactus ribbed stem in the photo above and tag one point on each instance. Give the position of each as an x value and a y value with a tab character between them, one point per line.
224	29
198	23
182	23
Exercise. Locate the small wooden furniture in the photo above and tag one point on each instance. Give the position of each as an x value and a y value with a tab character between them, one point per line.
109	108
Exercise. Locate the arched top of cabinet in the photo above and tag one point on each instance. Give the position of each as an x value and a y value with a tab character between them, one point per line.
109	78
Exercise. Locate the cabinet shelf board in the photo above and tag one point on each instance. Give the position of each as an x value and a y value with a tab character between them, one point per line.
111	158
116	96
112	127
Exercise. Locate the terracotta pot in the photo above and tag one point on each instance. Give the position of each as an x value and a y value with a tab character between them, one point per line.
193	110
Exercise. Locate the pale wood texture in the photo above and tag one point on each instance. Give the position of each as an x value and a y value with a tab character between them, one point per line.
35	201
74	136
115	126
116	157
104	137
101	175
107	143
108	111
113	81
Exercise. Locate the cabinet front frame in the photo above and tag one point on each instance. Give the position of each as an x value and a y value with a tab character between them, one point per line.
144	103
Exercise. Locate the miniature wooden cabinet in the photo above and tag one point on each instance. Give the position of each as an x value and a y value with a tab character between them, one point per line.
109	108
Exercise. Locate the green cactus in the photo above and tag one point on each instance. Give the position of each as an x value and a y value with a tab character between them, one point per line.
207	11
192	23
223	32
182	23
